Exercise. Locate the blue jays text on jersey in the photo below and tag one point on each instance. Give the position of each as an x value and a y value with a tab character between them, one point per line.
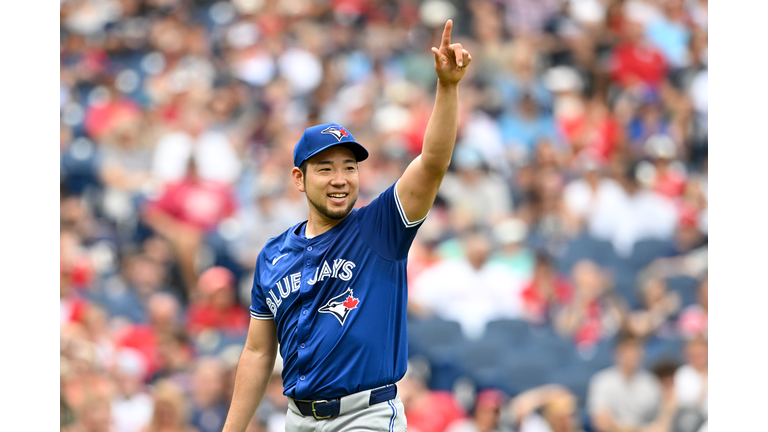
339	301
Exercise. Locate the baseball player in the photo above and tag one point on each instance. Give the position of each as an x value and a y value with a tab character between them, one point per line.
332	290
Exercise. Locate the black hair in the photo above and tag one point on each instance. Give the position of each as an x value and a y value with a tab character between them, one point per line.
626	338
664	368
544	259
303	168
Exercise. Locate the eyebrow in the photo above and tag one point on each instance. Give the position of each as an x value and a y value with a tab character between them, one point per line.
327	162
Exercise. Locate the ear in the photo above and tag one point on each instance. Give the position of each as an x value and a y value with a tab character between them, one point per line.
298	179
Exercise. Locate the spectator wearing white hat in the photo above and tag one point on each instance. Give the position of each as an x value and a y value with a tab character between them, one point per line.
510	235
475	195
132	404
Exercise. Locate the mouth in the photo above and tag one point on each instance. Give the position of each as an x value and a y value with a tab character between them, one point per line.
337	198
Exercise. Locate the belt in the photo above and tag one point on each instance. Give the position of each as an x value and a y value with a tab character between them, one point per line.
325	409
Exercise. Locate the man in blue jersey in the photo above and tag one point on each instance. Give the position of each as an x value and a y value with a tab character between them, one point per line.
332	290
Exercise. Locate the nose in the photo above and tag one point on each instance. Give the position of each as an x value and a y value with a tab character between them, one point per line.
338	178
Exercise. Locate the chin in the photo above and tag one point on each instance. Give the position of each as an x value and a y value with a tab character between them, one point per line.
336	213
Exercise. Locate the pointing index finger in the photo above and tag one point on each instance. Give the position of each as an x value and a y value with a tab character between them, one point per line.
446	41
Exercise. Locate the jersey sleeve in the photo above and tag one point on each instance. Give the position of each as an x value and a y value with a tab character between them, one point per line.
385	227
259	308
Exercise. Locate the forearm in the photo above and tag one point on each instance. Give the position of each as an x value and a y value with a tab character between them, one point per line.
531	400
253	372
604	422
440	134
160	221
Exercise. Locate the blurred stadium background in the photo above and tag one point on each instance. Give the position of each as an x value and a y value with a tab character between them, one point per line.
573	215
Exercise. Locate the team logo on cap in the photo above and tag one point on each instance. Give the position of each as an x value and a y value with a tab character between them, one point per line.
340	305
339	133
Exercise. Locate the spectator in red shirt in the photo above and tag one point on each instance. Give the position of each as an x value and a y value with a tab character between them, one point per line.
594	132
163	309
654	318
635	62
485	416
693	319
545	292
185	211
215	307
72	306
176	359
668	177
426	410
595	311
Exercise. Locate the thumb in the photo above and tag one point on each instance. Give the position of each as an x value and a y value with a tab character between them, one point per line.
438	56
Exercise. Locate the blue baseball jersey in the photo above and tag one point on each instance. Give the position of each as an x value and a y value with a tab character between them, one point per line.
339	301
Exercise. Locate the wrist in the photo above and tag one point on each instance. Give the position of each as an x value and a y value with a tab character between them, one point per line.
447	86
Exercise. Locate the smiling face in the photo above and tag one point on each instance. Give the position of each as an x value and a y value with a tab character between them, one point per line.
331	182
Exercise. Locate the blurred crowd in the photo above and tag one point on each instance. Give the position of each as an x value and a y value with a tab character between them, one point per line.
575	205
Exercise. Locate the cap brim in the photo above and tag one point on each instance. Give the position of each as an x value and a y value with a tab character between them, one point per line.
357	149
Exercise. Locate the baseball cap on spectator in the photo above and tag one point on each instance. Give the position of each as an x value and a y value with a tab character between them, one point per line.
688	217
434	13
510	230
214	279
302	70
489	398
562	79
230	355
467	158
660	146
131	362
649	96
242	35
587	162
322	137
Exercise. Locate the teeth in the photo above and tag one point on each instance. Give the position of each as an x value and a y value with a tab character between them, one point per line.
337	195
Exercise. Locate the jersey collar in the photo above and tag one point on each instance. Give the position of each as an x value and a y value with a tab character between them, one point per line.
301	240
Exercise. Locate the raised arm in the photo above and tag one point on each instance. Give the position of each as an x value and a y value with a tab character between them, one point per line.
418	186
253	372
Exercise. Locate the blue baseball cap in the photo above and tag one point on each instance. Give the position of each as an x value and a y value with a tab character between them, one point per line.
321	137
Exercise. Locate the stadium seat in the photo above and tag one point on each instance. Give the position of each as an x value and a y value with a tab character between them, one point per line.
491	377
586	247
645	251
445	366
586	420
661	349
575	250
602	253
624	276
426	334
480	354
596	358
508	332
575	378
687	287
526	376
556	350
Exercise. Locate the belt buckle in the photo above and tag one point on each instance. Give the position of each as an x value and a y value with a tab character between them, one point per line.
314	412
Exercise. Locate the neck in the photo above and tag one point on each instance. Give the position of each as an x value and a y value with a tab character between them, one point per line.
628	373
317	224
